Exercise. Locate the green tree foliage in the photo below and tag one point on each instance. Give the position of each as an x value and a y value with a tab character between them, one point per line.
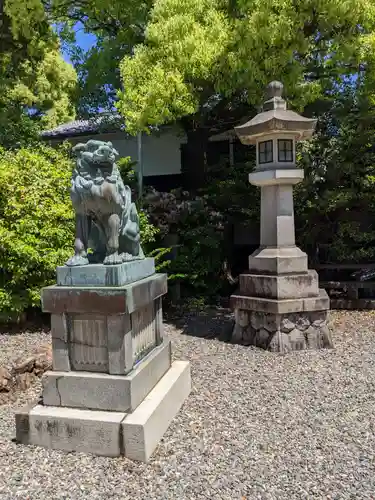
335	205
36	85
198	52
118	26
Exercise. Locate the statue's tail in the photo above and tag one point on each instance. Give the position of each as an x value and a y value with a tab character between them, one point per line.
130	235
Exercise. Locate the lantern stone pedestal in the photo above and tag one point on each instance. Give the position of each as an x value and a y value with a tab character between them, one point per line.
279	305
114	389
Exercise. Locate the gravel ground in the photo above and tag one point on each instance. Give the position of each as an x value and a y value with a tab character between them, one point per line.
257	425
23	344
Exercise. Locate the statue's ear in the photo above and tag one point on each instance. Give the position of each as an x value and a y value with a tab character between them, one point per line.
91	145
115	152
78	148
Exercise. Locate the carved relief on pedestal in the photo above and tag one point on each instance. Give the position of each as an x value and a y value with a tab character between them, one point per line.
88	347
143	331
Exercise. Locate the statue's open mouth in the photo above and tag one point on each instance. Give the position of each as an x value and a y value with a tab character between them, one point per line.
104	160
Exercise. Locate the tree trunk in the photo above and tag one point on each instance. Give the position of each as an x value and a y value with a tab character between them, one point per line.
194	159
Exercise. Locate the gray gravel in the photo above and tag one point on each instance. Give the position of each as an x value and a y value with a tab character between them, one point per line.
16	345
256	426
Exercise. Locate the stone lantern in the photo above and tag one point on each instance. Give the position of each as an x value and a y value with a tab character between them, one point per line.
279	305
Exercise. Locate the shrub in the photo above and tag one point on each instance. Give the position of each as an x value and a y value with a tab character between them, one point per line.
335	205
201	222
36	224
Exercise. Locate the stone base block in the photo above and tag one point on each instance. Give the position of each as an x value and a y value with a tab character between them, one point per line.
100	391
104	433
286	286
106	330
143	429
261	304
69	429
100	275
284	325
104	300
278	260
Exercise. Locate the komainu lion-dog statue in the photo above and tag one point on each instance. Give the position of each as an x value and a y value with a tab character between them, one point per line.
107	221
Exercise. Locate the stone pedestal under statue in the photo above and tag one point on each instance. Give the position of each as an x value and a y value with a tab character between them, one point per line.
278	305
114	389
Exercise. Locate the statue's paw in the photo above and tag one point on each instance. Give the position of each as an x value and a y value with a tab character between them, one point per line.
77	260
128	257
112	259
136	254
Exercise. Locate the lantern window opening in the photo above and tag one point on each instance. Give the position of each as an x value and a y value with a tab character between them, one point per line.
265	152
285	150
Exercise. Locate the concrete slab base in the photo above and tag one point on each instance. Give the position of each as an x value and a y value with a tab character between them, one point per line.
69	429
101	391
134	435
143	429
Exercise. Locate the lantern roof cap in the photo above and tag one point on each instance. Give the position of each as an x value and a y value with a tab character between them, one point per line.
275	117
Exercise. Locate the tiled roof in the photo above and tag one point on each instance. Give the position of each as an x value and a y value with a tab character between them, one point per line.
100	123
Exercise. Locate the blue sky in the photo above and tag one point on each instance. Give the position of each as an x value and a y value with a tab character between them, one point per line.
84	40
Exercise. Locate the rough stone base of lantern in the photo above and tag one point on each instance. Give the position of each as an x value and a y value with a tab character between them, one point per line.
283	325
284	332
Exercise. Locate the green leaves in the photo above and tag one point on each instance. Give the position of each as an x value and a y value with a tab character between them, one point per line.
37	223
335	206
117	26
194	50
183	43
21	13
37	87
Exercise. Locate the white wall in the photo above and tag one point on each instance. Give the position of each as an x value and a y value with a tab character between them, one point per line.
161	152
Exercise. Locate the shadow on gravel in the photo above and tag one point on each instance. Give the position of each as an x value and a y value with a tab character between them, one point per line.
35	322
211	323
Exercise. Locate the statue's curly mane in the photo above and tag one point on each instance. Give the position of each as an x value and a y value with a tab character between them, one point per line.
91	171
106	215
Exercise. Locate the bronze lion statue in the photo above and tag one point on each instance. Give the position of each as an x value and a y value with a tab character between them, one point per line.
107	221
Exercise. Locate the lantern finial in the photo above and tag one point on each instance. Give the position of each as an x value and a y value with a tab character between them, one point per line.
275	89
274	96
